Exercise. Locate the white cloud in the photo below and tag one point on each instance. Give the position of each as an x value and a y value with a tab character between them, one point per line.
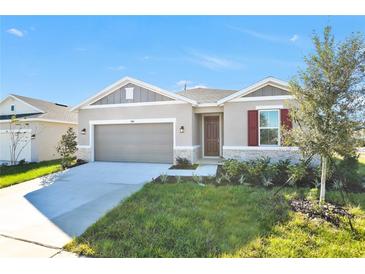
294	38
266	36
15	32
213	62
117	68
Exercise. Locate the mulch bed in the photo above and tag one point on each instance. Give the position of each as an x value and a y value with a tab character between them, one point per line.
193	167
327	211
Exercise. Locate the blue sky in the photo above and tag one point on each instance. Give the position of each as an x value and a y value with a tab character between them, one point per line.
67	59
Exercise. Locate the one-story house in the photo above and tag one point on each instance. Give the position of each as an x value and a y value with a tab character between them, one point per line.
39	126
131	120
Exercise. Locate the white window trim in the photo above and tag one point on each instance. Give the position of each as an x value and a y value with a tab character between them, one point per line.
92	124
270	107
220	136
278	127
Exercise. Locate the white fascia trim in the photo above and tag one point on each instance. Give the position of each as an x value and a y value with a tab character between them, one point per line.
263	98
40	120
20	100
267	81
203	105
160	103
187	147
132	121
270	107
127	80
263	148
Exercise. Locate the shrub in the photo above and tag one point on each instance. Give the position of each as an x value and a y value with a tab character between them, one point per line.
183	162
303	174
67	147
280	172
261	172
22	162
346	173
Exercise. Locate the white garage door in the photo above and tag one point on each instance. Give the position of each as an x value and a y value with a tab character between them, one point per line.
152	143
23	149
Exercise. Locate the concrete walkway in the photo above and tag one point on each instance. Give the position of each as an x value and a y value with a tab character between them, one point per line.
202	170
38	217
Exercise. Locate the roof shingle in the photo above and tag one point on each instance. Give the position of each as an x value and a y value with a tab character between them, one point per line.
206	95
51	111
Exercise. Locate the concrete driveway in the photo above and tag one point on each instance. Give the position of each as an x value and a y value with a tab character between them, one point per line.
40	216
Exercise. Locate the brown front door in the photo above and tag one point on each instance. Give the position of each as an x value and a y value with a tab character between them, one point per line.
211	135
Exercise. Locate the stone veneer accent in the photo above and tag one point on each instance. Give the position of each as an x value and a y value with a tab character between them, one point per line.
193	154
84	153
275	155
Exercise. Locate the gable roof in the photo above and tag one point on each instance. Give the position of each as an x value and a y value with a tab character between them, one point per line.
45	110
206	95
128	80
267	81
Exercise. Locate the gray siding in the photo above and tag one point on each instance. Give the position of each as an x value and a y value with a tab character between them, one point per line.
139	95
267	91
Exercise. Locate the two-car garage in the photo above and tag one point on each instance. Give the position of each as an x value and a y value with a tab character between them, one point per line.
140	142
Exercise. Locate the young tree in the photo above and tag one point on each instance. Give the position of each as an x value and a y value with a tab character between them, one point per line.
329	95
19	138
67	147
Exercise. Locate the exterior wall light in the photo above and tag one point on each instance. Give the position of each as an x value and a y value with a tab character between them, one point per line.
83	131
182	129
32	136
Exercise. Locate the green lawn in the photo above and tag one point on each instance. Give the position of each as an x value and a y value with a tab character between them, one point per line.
188	220
10	175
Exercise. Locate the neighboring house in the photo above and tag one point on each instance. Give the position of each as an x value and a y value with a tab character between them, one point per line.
135	121
42	123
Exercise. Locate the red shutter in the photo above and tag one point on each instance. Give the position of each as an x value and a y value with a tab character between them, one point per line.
285	119
253	119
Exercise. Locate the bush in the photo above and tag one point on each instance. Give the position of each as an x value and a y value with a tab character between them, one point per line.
345	174
67	147
183	162
281	172
262	172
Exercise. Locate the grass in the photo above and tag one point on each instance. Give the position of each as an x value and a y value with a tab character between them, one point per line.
11	175
188	220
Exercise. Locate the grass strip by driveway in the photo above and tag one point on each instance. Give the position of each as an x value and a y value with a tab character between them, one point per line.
11	175
188	220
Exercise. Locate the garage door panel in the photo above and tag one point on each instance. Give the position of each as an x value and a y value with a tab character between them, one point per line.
134	143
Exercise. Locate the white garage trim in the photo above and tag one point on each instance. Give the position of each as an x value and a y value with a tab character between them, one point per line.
92	124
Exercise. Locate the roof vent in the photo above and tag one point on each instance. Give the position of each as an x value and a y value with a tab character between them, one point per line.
61	105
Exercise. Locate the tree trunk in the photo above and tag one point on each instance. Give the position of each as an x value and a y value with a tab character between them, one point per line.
323	179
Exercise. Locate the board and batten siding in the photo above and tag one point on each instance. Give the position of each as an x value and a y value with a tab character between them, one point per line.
139	95
267	91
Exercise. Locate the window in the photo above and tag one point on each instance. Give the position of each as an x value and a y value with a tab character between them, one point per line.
12	107
129	93
269	127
